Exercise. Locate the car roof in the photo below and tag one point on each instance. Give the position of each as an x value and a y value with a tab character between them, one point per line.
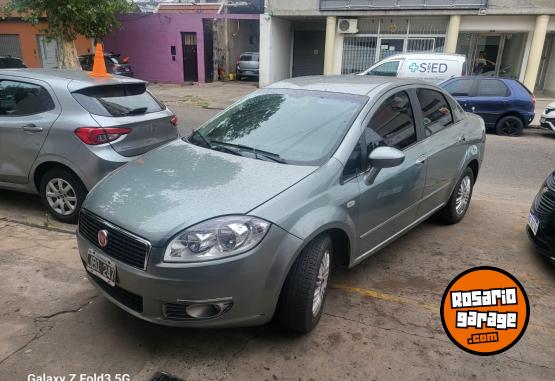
73	79
347	84
504	79
428	55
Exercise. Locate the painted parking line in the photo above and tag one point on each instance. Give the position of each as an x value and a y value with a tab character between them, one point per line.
384	296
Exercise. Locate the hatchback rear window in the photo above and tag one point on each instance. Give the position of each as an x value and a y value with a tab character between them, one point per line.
248	57
118	100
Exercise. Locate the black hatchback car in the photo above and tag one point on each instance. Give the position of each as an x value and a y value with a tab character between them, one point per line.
541	222
8	62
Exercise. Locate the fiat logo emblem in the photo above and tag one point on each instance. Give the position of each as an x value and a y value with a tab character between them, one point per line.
102	238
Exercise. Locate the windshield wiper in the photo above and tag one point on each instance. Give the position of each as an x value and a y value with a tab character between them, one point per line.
208	144
136	111
257	153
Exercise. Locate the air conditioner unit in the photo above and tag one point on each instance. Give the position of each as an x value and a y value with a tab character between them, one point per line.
347	26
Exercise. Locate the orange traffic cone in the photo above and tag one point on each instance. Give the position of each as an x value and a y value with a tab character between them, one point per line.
99	66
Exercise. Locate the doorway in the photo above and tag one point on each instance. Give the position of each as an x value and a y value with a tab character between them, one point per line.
493	54
545	63
48	52
190	60
308	53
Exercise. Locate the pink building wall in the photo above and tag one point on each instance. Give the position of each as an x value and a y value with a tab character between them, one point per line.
146	40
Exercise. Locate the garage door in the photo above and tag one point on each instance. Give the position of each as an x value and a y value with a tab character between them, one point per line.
10	46
308	53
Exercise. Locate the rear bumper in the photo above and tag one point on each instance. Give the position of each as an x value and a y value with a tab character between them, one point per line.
247	72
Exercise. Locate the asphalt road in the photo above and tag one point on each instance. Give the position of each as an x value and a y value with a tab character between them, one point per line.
381	320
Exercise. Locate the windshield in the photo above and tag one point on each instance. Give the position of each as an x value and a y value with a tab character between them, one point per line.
297	126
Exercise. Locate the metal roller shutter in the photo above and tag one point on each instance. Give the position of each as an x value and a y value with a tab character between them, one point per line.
10	46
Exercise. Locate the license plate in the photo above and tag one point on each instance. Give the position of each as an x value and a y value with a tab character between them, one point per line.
101	266
534	223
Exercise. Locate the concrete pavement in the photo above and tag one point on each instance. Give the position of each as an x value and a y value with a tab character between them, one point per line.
381	320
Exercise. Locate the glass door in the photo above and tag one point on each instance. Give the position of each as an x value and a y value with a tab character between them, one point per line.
391	46
486	55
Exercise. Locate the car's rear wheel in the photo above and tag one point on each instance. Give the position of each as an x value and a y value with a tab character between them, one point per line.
458	203
62	193
509	126
303	295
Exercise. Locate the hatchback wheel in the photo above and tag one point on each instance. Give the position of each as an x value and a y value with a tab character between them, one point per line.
304	292
62	193
509	126
457	205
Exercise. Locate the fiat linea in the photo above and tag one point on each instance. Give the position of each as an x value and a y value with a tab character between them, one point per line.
245	219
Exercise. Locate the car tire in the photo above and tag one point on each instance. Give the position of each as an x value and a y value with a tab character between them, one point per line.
509	126
458	203
62	193
310	273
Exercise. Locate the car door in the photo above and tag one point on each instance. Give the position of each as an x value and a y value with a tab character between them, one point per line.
492	99
27	111
462	90
445	145
388	204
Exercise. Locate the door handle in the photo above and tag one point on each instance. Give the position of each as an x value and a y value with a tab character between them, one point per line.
31	128
421	160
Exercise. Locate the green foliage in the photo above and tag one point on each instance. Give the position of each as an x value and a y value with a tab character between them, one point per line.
67	18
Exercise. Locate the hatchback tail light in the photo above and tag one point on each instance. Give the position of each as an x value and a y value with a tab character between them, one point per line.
173	121
534	99
99	135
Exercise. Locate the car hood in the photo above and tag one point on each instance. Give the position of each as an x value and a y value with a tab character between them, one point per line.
550	105
180	184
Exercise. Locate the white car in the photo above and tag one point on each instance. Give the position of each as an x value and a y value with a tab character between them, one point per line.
548	117
433	67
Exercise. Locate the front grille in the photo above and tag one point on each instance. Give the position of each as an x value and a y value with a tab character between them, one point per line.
551	182
127	298
546	203
122	245
175	311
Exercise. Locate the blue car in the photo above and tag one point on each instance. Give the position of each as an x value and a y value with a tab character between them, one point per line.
506	105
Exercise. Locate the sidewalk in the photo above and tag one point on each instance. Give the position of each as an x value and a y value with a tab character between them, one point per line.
215	95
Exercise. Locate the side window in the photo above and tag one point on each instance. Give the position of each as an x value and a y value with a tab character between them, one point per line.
354	164
459	87
492	88
392	124
435	110
388	69
22	98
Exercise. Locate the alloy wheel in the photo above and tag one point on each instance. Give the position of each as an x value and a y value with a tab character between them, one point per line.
463	195
61	196
321	283
510	127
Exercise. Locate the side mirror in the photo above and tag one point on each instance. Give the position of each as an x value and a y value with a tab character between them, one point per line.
386	157
380	158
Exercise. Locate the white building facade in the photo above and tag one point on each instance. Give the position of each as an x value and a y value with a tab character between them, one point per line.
309	37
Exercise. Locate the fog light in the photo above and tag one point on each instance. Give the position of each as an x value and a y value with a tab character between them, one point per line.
204	311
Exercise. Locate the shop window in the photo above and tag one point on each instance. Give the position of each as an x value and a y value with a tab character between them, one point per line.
359	53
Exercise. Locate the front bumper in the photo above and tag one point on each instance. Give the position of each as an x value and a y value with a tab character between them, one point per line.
544	241
548	122
247	72
251	281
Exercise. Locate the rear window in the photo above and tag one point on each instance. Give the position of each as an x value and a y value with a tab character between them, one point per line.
248	57
118	100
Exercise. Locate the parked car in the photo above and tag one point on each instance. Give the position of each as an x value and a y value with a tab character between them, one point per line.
246	217
433	67
9	62
248	65
547	119
62	131
114	64
541	222
506	105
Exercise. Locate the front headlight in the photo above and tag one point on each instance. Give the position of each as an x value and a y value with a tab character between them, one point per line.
217	238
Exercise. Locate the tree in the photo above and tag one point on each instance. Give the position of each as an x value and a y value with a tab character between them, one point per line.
68	18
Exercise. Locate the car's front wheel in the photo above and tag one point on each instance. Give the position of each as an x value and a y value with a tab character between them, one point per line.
455	209
303	295
62	193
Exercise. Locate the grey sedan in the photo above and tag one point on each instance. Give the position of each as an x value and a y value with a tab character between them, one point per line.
246	218
62	131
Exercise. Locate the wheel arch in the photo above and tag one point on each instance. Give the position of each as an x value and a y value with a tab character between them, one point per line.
46	166
511	113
